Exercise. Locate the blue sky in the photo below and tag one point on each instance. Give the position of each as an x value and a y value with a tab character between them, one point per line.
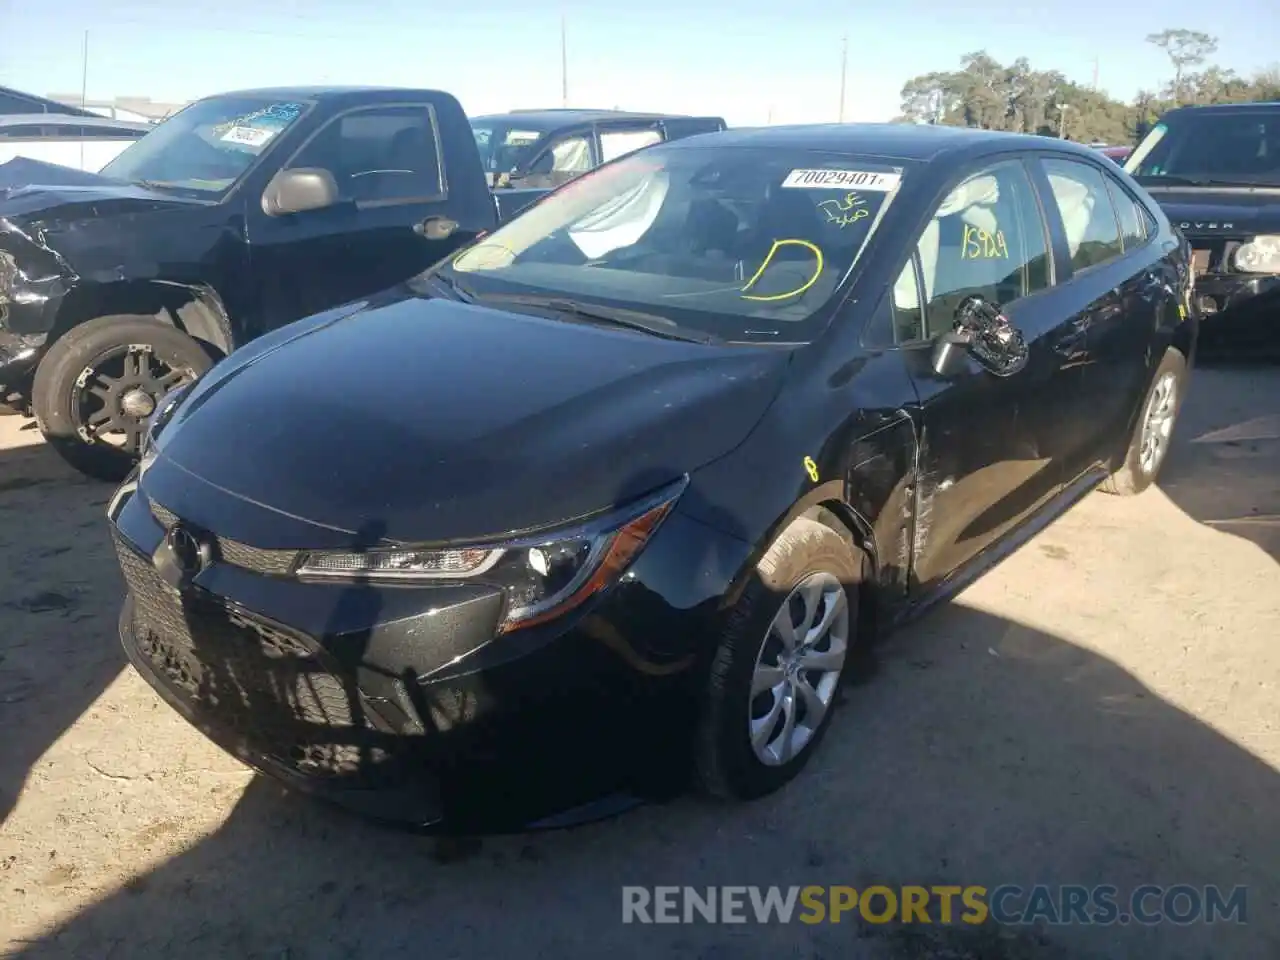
750	61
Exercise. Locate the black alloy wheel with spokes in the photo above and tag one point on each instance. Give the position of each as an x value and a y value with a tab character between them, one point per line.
118	395
97	386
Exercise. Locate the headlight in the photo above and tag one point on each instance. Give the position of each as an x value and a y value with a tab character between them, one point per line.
544	576
1259	255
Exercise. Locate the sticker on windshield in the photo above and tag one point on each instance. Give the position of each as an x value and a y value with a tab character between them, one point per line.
842	180
249	136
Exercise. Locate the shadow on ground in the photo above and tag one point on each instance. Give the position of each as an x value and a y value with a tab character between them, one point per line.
58	650
1223	469
983	751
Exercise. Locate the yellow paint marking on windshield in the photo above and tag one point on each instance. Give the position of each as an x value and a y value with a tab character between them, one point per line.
812	469
981	244
778	245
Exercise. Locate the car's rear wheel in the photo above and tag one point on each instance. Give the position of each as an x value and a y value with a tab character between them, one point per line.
1152	434
98	384
780	664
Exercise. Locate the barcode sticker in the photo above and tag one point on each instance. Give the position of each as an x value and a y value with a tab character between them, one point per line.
842	180
249	136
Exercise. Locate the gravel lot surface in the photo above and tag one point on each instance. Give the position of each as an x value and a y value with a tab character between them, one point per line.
1102	708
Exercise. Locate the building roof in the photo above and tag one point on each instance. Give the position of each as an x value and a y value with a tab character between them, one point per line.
88	121
37	104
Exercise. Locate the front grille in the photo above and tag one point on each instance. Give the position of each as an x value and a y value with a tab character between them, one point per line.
260	688
276	563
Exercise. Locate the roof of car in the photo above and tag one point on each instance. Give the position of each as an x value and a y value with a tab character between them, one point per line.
1245	107
553	118
900	141
67	120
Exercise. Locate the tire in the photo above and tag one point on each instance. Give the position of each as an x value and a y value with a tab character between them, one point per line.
727	764
76	385
1135	473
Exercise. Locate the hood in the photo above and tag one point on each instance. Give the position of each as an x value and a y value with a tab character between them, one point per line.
436	420
1220	210
33	189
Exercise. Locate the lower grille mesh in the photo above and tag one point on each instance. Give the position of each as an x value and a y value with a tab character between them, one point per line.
270	692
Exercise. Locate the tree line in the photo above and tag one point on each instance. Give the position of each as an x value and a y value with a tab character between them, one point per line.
1016	97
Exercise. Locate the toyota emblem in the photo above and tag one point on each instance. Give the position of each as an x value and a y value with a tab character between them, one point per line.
180	556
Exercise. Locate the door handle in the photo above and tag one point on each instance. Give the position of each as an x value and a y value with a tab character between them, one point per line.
435	228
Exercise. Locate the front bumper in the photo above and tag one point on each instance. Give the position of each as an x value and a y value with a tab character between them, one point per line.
398	703
1238	310
19	354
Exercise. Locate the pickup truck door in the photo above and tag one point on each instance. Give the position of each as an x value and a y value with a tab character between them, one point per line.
394	218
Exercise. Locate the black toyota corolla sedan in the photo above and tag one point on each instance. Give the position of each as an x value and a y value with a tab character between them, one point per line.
629	483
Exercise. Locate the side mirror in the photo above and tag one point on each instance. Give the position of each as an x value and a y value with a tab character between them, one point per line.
983	332
299	190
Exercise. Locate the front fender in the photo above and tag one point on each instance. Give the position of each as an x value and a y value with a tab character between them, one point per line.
857	457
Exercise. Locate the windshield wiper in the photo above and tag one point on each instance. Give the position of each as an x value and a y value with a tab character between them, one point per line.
615	316
1182	181
458	290
1163	178
1228	182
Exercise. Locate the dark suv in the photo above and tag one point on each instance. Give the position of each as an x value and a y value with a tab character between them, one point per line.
1216	172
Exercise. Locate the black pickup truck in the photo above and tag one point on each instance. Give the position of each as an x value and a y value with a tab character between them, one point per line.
545	148
241	213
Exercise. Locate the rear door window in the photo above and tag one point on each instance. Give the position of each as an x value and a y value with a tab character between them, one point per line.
1088	218
1133	225
616	143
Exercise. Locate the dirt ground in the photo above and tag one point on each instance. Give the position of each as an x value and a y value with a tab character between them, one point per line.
1102	708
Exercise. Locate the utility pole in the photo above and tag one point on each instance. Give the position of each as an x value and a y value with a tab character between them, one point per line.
84	72
564	64
1095	73
844	69
1062	120
84	86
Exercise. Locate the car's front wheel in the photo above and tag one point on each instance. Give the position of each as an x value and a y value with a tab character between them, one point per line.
779	666
1153	433
97	386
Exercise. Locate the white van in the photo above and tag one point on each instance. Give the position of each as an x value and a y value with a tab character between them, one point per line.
85	143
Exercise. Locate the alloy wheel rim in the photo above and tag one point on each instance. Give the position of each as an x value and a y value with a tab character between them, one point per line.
797	669
1157	426
116	396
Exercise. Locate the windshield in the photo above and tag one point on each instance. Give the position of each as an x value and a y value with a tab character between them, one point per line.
205	148
1210	146
739	243
504	148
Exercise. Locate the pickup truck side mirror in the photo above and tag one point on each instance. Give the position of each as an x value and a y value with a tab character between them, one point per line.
299	190
983	332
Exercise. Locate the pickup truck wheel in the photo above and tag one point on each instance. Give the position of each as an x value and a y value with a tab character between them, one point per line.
97	386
